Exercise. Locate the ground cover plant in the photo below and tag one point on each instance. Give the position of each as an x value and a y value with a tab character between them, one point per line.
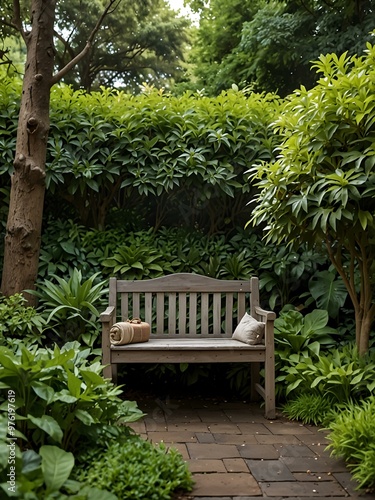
137	469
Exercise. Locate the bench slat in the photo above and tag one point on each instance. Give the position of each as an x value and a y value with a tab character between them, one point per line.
148	308
178	343
216	311
172	302
124	306
160	313
192	314
136	306
229	314
204	313
241	304
182	318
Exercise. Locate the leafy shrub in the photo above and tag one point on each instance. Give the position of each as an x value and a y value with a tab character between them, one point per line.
295	332
135	262
62	249
298	337
60	398
69	306
283	272
340	374
137	469
309	408
19	321
352	437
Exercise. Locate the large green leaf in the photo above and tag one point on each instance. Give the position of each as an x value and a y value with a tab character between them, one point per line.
44	391
30	461
315	321
328	291
49	425
57	465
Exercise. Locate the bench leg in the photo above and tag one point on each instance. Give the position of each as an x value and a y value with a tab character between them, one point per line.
269	386
107	372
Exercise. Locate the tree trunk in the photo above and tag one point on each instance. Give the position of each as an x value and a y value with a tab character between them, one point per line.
363	323
23	232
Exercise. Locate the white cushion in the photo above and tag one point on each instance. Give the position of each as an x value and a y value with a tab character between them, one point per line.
249	330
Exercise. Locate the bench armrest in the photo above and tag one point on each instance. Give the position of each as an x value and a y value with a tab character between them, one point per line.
267	315
107	315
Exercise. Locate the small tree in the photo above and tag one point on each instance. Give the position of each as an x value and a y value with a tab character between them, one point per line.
321	188
23	233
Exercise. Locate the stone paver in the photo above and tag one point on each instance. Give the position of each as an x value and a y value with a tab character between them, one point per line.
301	489
249	428
205	437
316	464
234	453
220	451
269	470
277	440
235	465
229	484
235	438
291	450
287	428
207	466
172	436
223	428
261	451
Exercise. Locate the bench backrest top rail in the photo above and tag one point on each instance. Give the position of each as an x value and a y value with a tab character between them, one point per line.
186	282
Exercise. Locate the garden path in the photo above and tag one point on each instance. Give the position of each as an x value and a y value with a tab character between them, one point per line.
235	453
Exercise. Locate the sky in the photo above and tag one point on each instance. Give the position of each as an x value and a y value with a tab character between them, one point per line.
179	5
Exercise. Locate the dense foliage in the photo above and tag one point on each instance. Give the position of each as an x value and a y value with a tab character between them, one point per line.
352	437
270	44
120	466
56	408
321	188
176	159
143	42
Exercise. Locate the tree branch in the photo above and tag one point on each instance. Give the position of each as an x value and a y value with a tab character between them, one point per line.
66	45
112	5
16	21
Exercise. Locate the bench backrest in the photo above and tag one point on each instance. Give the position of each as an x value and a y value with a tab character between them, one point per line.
183	305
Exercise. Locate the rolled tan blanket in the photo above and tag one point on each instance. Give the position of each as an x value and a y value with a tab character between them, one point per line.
129	332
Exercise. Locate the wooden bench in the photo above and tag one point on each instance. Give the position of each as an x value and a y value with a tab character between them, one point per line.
192	320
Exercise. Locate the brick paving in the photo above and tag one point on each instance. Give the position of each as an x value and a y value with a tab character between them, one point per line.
234	453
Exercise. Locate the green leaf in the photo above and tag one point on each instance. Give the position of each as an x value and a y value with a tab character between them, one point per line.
57	466
328	291
74	384
30	461
84	417
315	321
49	425
44	391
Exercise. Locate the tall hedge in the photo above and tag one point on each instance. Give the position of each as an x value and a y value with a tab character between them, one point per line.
174	160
